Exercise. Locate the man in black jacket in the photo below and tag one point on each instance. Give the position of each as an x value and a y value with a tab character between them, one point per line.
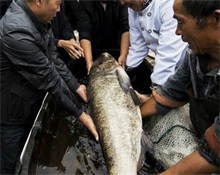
30	67
64	37
103	27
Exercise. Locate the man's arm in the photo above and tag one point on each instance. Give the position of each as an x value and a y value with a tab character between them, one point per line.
87	47
85	26
149	107
124	46
206	159
192	164
124	33
39	70
172	94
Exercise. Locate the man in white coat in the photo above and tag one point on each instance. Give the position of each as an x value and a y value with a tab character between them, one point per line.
152	27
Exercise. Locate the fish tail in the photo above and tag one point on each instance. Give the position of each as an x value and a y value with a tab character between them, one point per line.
146	146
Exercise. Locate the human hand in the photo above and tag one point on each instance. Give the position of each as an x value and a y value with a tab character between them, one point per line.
143	97
88	66
81	91
78	48
72	48
122	61
88	122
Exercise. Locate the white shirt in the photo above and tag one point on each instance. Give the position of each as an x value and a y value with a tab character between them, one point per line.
154	28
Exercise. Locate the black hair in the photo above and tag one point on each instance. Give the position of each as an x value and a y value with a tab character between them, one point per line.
201	9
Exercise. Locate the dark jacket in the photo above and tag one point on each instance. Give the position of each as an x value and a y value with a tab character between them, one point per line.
62	30
102	28
71	11
30	67
61	27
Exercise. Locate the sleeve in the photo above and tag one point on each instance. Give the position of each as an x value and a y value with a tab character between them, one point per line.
138	49
41	72
55	40
61	27
209	146
123	19
63	71
173	93
85	19
170	48
66	30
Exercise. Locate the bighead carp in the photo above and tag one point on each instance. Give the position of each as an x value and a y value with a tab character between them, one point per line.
116	117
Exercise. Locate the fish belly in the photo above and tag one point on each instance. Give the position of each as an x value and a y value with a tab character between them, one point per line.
119	124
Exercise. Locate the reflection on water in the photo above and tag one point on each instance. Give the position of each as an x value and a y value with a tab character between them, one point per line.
66	147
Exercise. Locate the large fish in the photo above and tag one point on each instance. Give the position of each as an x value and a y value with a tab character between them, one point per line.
116	116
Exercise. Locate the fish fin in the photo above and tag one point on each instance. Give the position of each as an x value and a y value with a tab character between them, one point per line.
123	79
146	146
135	97
125	84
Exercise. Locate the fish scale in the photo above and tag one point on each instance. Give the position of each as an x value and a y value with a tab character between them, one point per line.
116	117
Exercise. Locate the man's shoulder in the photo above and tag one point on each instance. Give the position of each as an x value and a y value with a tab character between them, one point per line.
14	20
162	6
15	16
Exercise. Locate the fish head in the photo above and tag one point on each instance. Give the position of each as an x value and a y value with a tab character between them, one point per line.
106	57
104	63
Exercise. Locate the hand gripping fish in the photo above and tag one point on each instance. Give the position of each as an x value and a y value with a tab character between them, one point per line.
116	116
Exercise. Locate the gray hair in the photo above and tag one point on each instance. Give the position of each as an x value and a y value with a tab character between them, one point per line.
200	9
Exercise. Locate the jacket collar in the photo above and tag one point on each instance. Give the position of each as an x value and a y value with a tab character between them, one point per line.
146	3
43	28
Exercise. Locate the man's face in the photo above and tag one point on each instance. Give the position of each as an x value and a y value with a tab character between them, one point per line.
187	27
135	5
48	10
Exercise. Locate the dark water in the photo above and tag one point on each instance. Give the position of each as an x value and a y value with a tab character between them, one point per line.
66	147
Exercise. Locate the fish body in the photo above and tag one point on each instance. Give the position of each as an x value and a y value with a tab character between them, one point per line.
116	117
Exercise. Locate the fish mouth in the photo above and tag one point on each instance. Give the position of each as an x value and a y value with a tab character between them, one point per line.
105	57
105	54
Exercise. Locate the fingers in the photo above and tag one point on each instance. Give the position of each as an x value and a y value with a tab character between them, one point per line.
122	65
75	54
89	65
88	71
143	97
73	49
88	122
77	46
83	54
121	62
